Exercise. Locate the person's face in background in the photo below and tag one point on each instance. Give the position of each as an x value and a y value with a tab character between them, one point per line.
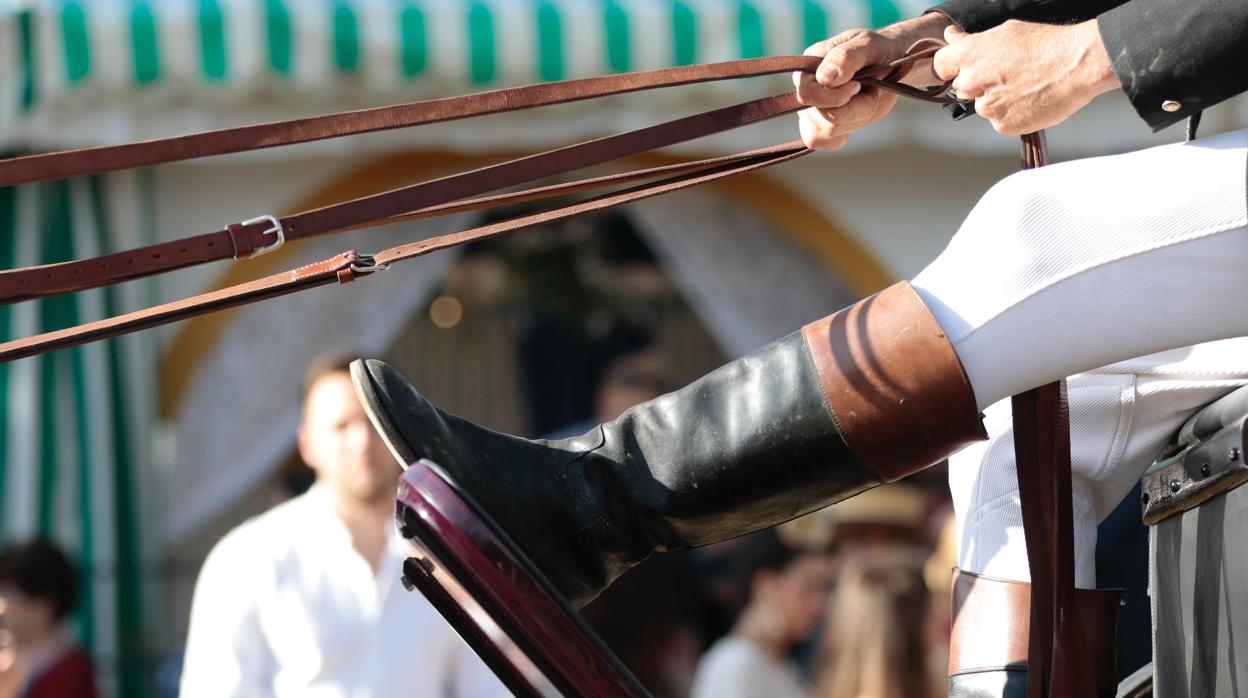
805	586
25	617
338	442
798	594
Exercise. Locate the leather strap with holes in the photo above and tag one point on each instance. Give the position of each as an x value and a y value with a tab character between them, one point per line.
350	265
454	193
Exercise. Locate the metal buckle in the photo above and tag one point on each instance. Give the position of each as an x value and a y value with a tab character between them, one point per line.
366	264
275	228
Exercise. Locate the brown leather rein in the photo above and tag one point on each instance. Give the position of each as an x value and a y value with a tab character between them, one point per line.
450	194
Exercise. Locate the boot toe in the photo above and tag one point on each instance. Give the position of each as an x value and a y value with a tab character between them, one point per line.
407	422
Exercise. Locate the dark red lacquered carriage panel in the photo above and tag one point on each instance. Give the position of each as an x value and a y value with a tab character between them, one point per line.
496	599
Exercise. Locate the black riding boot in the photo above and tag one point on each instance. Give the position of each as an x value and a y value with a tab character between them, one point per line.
861	397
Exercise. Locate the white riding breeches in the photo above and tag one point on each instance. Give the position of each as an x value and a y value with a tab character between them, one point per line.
1121	417
1087	264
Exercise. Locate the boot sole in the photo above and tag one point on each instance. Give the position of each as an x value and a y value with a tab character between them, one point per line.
484	585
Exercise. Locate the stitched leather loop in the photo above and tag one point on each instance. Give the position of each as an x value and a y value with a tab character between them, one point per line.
239	242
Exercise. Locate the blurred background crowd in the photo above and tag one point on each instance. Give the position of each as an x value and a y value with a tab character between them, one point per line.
113	468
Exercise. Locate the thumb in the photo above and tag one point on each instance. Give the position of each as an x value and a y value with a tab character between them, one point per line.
953	33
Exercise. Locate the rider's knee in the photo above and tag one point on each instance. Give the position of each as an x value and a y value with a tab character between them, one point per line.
1017	221
1023	199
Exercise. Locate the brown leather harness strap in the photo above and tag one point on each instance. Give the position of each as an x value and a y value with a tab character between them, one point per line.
350	265
435	197
261	234
243	239
1042	456
73	163
580	185
772	156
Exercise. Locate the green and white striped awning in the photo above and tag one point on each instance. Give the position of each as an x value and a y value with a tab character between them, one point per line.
62	58
84	72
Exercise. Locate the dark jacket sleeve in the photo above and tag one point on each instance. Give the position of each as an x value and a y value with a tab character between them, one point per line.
1177	58
1173	57
978	15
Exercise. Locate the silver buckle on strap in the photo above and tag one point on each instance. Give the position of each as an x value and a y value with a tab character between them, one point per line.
275	228
366	264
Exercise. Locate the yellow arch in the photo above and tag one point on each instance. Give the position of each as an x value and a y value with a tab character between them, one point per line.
786	211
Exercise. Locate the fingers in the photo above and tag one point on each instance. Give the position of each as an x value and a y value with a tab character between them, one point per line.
1013	122
856	52
868	106
831	85
956	63
829	129
967	78
815	135
947	61
811	93
843	56
821	50
954	34
966	86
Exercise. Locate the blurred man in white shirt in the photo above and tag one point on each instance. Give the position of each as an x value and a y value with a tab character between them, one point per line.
305	599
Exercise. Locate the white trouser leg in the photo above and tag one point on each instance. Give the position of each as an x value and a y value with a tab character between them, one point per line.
1121	417
1078	265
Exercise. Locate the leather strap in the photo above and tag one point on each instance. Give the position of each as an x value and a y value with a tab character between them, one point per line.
241	239
262	233
991	629
73	163
435	197
1042	456
350	265
51	279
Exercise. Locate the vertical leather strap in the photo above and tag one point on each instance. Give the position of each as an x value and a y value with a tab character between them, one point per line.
1042	455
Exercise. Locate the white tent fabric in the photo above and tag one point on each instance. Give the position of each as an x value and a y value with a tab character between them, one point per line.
747	283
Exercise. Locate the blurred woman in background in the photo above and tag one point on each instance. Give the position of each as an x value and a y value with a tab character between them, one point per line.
786	589
38	586
878	631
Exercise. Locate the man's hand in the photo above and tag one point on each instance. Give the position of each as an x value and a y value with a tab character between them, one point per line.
1025	76
839	105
